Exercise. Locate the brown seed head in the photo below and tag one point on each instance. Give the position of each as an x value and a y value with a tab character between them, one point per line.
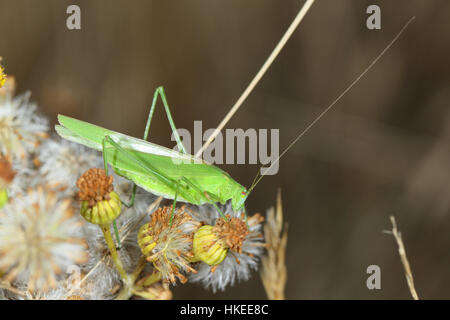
160	220
167	246
6	173
95	186
232	232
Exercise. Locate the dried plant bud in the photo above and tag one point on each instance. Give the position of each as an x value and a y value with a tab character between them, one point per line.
169	247
232	232
211	243
99	203
208	247
94	186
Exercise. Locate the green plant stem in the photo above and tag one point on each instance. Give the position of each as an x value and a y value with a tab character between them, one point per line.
3	197
148	281
127	292
139	268
129	288
115	257
151	279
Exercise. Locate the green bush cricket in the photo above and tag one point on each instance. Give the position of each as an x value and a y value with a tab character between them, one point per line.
152	167
159	170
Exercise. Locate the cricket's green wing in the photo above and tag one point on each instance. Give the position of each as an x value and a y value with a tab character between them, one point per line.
165	161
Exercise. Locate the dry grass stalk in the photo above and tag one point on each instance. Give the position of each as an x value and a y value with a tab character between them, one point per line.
402	252
274	272
284	39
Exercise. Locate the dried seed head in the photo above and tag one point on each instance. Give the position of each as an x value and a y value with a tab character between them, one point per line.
6	173
22	128
232	232
39	239
211	243
61	162
95	186
99	203
229	233
169	247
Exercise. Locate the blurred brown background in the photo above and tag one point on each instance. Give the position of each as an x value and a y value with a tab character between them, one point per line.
383	150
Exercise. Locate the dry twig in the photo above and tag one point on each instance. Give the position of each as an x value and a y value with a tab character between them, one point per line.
301	14
402	252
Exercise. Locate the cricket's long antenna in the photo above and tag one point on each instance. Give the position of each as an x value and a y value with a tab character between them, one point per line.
301	134
301	14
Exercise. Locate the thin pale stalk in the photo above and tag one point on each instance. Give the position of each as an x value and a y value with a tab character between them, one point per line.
301	14
127	292
402	253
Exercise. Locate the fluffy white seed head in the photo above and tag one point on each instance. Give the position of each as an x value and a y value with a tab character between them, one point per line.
62	162
39	239
21	127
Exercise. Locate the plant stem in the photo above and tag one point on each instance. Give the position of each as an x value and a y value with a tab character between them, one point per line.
139	268
151	279
127	292
115	257
148	281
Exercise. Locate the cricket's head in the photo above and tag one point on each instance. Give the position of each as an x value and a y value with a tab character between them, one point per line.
238	201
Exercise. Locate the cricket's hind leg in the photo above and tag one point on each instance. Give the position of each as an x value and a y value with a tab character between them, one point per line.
158	92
